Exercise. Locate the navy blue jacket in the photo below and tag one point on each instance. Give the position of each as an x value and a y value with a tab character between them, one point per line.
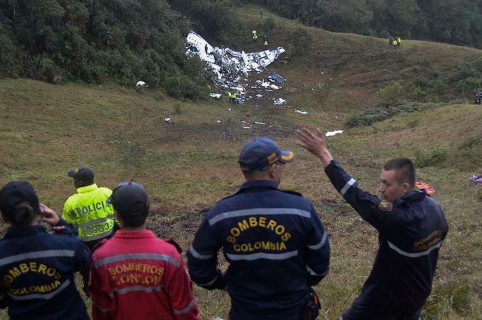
37	273
276	248
410	236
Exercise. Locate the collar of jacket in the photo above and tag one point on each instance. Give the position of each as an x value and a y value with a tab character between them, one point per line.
257	184
87	188
123	233
411	196
14	232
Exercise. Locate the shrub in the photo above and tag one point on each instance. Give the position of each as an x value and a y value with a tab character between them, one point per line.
466	155
391	93
436	157
182	87
177	108
381	113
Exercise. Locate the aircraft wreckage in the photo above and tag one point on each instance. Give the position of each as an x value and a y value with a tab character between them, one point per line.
229	65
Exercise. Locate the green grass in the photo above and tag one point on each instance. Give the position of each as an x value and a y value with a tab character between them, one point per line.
187	166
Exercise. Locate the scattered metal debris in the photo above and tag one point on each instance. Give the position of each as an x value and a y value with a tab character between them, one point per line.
140	84
229	65
332	133
215	95
302	112
168	120
274	77
279	101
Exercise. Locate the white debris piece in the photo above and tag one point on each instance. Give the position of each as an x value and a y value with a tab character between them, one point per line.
279	101
332	133
302	112
217	318
259	95
273	86
265	84
140	84
168	120
215	95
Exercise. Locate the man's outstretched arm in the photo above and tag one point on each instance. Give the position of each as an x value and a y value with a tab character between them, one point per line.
315	143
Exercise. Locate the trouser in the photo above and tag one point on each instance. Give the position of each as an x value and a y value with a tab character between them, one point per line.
367	316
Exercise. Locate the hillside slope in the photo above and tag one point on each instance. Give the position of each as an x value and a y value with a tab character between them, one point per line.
188	165
342	72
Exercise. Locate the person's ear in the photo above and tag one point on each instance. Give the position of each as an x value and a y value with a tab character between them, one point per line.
272	171
406	187
119	218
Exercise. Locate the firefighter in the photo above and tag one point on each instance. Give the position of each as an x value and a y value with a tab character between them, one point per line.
37	268
411	229
136	275
270	238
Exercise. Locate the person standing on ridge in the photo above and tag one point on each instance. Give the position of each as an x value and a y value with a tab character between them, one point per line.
411	228
88	210
274	242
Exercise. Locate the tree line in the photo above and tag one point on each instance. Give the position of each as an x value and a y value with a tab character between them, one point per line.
129	40
98	40
451	21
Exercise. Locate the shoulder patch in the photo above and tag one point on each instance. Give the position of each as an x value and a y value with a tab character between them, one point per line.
385	206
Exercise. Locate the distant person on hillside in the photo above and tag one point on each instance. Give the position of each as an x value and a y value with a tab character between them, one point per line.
411	228
273	240
395	42
136	275
88	210
37	268
390	40
478	97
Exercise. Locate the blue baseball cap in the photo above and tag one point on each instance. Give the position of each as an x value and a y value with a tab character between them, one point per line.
260	153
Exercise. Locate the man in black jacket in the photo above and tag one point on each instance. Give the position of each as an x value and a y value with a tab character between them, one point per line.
273	239
411	228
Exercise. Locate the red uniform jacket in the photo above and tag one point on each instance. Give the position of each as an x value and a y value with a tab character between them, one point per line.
136	275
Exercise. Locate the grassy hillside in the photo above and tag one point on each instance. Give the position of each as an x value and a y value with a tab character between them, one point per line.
188	165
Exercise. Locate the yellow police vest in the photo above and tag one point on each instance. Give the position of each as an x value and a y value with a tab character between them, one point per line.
89	213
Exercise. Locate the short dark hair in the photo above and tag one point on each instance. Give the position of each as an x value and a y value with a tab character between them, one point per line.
405	171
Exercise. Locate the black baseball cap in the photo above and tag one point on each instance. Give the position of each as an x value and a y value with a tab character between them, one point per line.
130	198
260	153
83	173
16	192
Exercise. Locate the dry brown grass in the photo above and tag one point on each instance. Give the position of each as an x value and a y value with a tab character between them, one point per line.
187	166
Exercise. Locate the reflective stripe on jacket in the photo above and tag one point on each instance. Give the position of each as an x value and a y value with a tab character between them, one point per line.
410	236
276	247
37	272
136	275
